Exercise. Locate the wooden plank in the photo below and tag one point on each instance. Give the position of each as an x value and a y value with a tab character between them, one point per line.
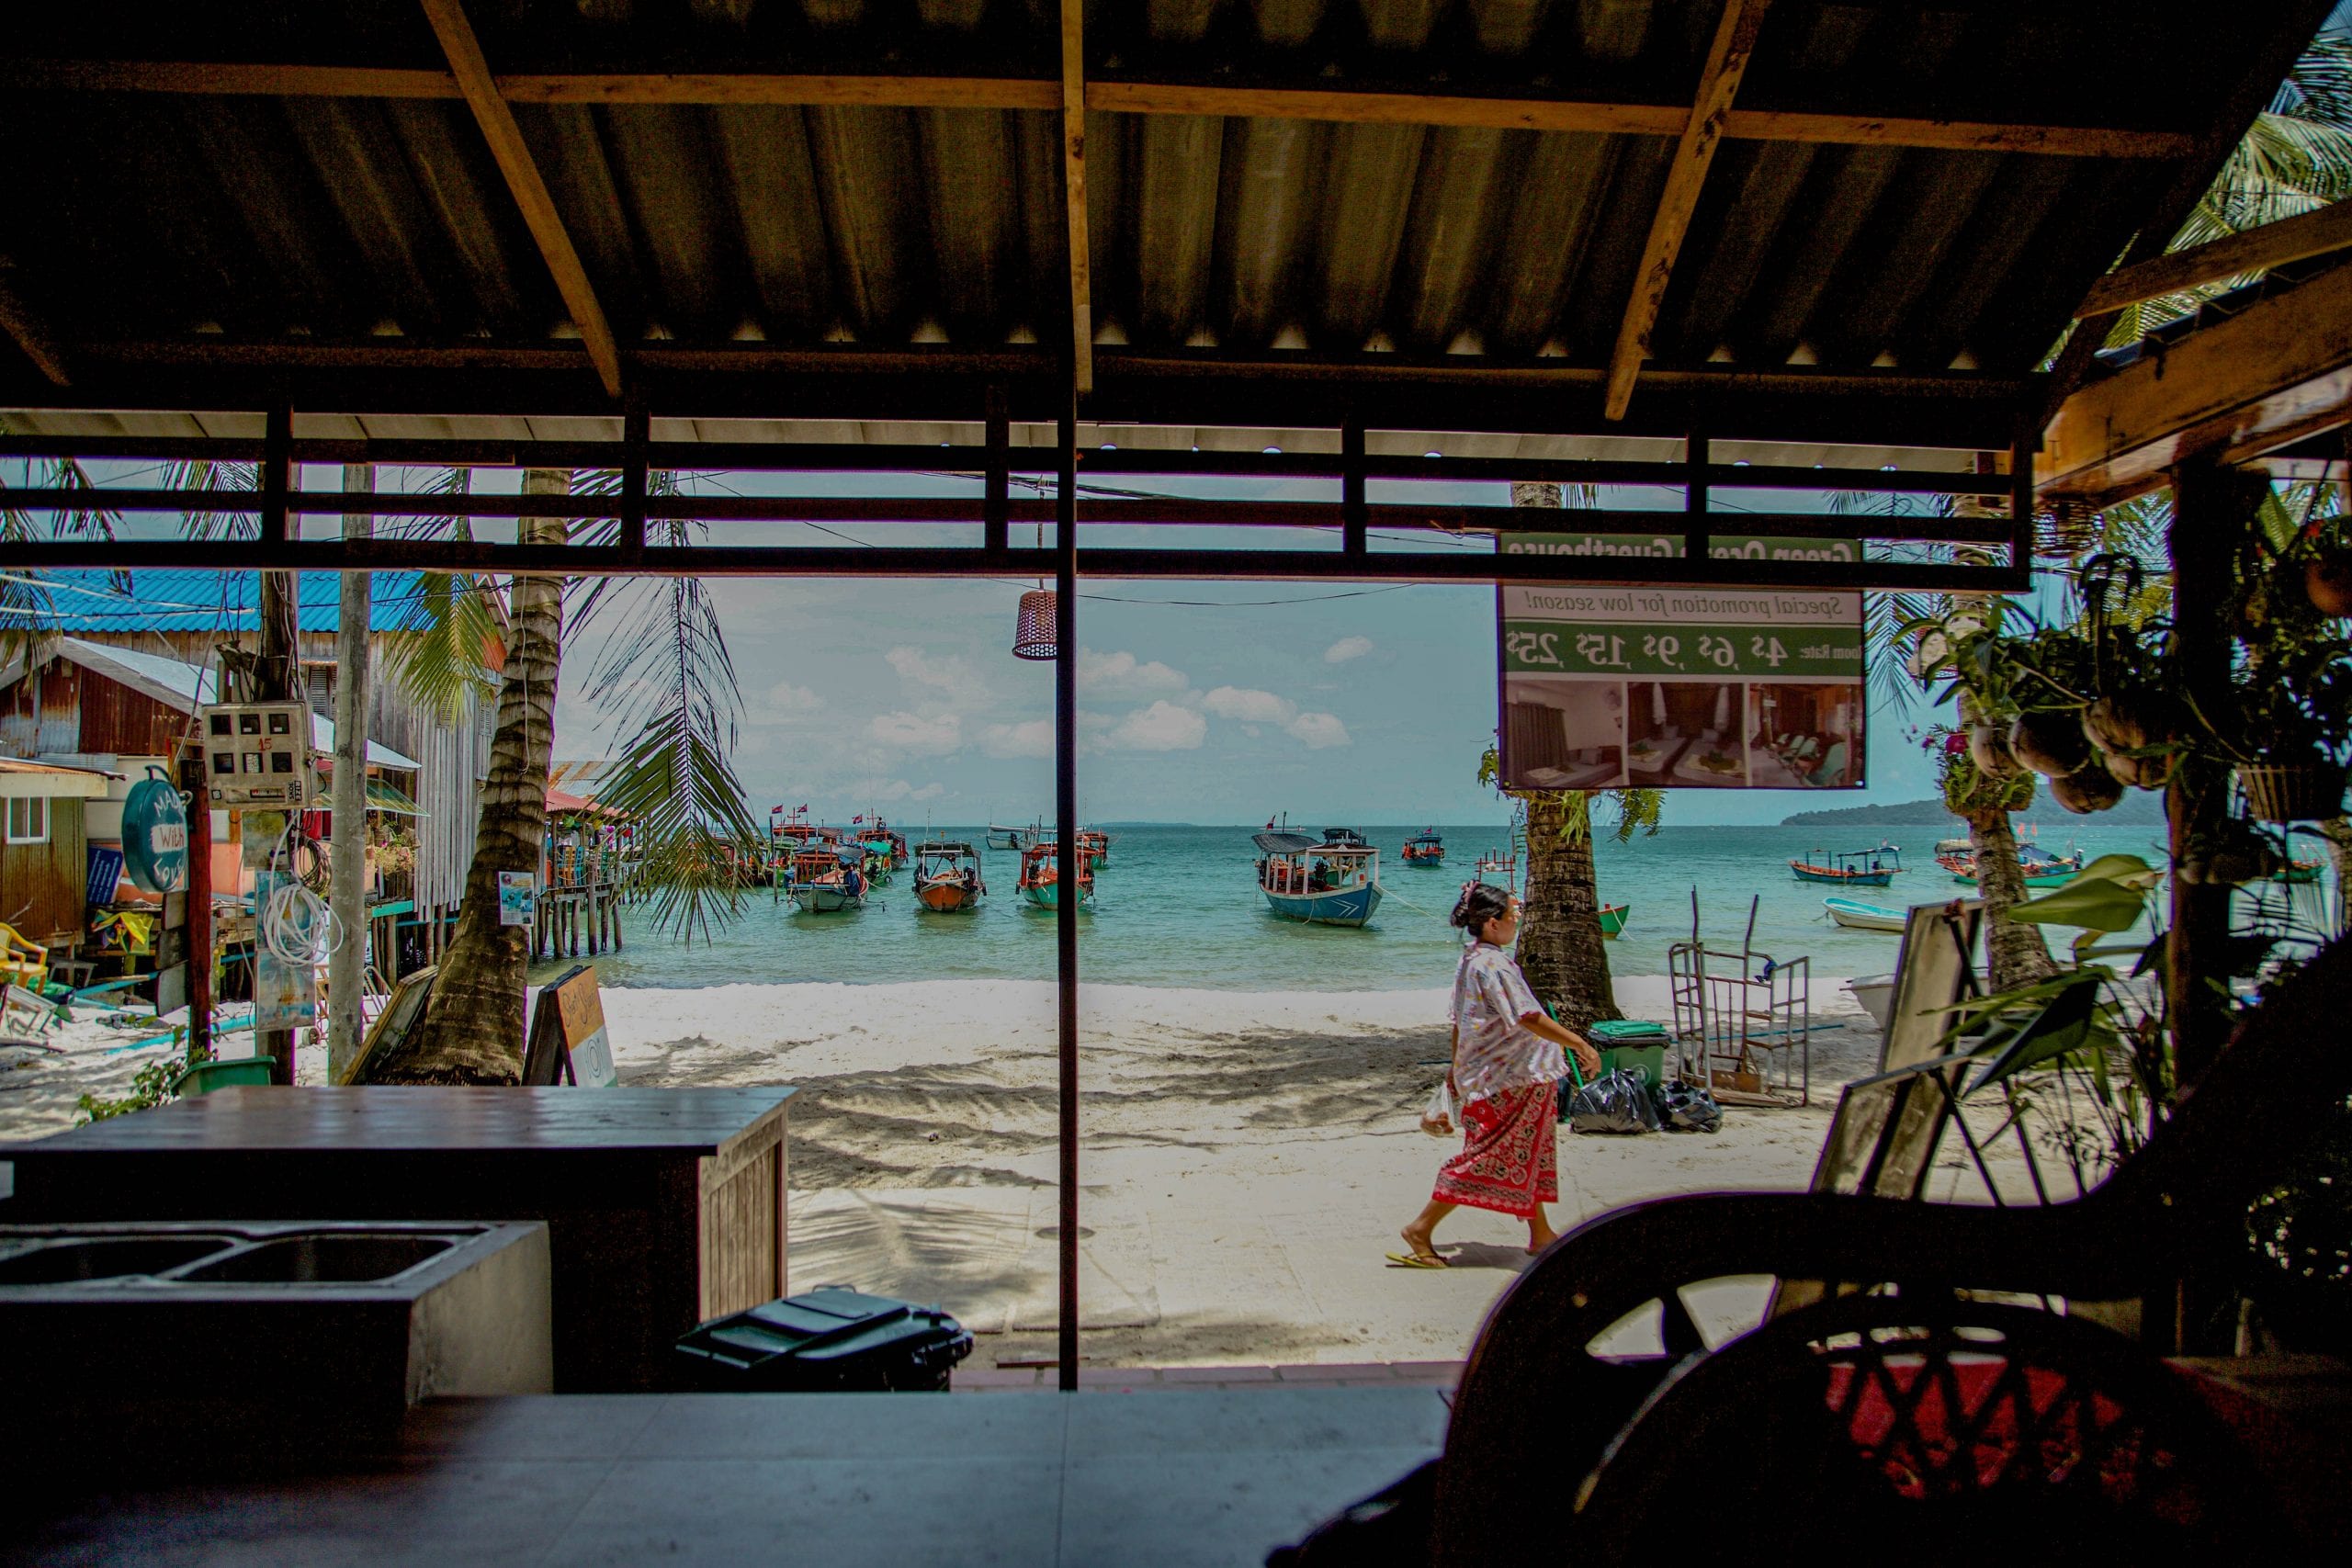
1558	115
1718	84
2256	250
1073	107
530	191
2275	372
746	87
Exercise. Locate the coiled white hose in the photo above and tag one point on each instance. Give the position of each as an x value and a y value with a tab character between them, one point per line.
297	925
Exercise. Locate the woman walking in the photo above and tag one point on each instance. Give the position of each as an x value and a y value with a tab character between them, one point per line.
1506	1059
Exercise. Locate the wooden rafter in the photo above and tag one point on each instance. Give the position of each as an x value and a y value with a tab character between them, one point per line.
1718	84
2256	250
1108	96
530	191
1073	107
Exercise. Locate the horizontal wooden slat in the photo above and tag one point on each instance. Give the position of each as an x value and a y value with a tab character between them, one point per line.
1109	97
2256	250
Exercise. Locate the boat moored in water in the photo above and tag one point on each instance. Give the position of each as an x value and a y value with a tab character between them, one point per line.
826	881
947	877
1041	881
1612	919
1331	882
1425	848
1851	868
2042	868
1855	915
1095	845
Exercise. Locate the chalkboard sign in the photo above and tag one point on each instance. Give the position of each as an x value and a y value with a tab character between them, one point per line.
568	1042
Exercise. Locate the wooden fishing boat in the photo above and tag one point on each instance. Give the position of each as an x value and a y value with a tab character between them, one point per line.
1334	881
1425	848
827	881
947	877
1854	868
1095	845
2040	868
1041	881
1612	919
2300	872
1855	915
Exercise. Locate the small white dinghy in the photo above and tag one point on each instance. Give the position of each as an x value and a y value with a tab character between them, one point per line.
1858	916
1876	994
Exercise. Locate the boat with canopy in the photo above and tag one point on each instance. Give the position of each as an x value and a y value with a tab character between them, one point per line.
1330	881
947	877
1850	868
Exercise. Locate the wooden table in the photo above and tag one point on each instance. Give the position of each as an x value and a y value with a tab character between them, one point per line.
1159	1480
665	1206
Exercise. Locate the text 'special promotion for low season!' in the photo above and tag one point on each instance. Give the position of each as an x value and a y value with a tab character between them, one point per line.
1606	686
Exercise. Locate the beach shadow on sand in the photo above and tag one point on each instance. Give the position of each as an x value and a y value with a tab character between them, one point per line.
1484	1255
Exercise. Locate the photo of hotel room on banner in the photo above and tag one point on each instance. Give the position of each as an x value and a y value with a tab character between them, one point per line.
1609	685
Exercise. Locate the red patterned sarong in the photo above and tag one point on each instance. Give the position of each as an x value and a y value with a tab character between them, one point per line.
1509	1159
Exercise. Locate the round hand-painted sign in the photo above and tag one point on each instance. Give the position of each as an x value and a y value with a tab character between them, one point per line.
154	834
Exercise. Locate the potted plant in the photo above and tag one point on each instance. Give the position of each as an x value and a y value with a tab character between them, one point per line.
2288	726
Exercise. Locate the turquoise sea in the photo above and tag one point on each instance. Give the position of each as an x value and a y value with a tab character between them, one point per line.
1178	907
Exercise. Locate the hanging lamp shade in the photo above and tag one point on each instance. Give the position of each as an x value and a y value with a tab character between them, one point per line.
1033	637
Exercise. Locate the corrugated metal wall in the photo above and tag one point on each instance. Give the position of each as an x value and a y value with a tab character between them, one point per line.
454	760
41	885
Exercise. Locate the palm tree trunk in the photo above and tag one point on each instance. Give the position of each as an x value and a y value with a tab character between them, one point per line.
472	1029
1560	949
2014	954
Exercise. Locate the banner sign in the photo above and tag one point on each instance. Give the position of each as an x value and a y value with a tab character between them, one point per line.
1606	686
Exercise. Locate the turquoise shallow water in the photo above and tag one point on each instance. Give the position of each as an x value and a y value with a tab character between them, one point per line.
1177	907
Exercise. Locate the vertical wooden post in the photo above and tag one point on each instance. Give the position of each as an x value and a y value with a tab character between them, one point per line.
347	967
1698	451
1070	893
199	904
2213	506
636	434
997	502
277	674
1355	534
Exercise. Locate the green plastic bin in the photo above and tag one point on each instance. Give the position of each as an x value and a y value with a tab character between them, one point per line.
1647	1060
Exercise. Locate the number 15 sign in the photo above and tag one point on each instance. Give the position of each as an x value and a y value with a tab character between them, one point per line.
1609	685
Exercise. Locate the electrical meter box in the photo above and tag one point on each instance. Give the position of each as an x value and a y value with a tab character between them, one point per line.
258	754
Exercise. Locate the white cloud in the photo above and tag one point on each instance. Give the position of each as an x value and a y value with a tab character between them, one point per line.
952	677
1162	726
877	791
1034	738
1122	674
1249	706
918	734
783	700
1347	648
1317	732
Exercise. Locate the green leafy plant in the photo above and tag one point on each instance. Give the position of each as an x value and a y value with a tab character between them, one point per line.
151	1087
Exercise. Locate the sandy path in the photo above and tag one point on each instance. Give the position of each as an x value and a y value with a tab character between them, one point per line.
1246	1157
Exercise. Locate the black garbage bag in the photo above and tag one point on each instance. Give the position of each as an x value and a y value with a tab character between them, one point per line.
1687	1107
1616	1102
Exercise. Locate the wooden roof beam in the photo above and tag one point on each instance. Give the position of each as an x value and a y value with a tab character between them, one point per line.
529	190
1109	97
2275	373
1081	260
2292	239
1701	134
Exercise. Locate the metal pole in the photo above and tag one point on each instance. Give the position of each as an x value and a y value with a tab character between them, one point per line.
1069	890
278	673
200	904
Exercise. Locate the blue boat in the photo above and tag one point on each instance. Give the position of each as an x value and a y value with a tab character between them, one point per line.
1333	881
1425	848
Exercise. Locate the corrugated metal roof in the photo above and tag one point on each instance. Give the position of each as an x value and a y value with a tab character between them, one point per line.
203	602
301	221
188	687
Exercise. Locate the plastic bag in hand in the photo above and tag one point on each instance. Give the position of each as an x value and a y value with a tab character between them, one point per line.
1437	1116
1687	1107
1616	1102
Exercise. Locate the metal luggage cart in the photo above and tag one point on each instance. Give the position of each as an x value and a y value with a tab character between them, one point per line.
1743	1018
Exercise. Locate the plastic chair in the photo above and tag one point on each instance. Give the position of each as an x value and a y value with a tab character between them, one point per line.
22	962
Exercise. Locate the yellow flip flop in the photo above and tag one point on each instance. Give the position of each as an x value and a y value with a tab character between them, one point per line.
1418	1260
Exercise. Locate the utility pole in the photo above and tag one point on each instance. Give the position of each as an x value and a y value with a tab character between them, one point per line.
347	884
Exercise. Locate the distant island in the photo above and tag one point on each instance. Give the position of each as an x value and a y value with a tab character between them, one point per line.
2140	808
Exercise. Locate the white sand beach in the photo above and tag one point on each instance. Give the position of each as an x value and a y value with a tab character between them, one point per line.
1247	1158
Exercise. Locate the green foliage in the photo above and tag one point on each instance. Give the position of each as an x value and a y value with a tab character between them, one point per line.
151	1087
665	672
1639	811
441	637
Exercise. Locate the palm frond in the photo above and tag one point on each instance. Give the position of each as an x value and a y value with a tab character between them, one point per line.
203	473
439	637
